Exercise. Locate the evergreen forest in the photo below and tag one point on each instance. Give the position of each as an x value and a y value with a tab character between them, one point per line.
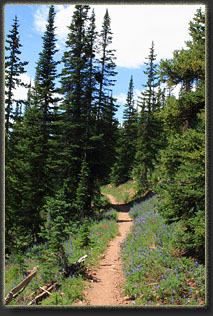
64	142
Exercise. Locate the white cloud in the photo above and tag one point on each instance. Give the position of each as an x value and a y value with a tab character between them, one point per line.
40	18
63	19
134	27
20	93
121	98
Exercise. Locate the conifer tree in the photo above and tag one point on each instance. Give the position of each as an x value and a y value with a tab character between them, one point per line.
148	126
187	69
42	112
182	162
56	231
109	128
83	194
126	148
31	139
106	125
45	100
130	117
14	164
107	63
14	67
77	84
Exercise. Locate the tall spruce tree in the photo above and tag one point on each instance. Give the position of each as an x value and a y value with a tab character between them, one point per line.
33	153
46	103
107	63
106	125
42	113
85	128
130	119
126	147
14	67
14	188
149	125
77	85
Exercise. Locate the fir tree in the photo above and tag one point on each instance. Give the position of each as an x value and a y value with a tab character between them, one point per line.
14	67
45	100
126	147
42	113
14	164
148	126
32	161
56	231
83	197
107	64
76	85
106	125
130	118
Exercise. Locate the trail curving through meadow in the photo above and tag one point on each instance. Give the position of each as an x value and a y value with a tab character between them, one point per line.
105	289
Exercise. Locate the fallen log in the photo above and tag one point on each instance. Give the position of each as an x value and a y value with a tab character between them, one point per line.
76	265
43	293
45	289
20	286
82	259
41	288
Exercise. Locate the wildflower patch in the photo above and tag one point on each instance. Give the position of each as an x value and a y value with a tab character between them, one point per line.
155	273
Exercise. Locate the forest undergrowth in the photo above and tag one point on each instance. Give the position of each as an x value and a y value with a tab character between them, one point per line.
156	271
91	240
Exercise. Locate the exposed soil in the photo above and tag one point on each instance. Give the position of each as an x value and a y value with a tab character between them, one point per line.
105	288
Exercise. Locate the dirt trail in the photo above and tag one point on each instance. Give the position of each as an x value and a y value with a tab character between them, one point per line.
106	287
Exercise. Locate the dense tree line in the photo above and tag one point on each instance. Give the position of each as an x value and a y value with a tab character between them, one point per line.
181	165
51	144
63	142
162	145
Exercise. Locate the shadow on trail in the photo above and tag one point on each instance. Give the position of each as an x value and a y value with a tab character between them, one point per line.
124	220
127	206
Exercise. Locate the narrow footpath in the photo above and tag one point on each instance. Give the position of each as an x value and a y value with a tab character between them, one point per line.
106	287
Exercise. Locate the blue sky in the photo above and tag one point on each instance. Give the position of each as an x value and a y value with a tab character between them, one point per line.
133	26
